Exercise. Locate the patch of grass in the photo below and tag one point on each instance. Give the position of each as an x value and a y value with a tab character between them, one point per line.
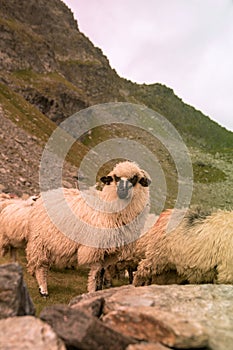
63	284
30	119
43	82
207	173
22	31
25	115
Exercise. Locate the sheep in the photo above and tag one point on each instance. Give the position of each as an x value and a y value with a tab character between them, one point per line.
4	196
130	263
93	229
198	250
7	199
14	225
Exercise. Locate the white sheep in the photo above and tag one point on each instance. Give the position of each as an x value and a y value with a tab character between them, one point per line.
198	250
14	225
89	229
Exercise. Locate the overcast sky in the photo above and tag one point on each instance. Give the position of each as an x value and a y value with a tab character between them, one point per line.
185	44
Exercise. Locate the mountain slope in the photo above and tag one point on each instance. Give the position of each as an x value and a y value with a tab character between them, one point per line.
55	67
50	70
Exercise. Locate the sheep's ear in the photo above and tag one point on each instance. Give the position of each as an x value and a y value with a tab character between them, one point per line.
106	180
145	182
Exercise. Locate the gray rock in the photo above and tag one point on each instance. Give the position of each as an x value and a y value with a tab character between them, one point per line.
189	316
80	330
28	332
14	296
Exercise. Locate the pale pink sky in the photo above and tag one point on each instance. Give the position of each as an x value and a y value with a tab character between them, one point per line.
186	45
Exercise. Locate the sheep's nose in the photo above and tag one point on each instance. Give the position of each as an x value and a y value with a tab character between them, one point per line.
123	187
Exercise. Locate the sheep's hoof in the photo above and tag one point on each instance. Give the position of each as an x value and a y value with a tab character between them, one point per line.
43	294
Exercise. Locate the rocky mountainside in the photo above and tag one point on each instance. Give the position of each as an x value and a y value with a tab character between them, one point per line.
50	70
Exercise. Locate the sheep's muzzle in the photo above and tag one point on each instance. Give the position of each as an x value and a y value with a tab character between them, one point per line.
123	188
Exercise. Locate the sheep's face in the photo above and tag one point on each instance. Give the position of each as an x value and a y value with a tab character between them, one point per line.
124	185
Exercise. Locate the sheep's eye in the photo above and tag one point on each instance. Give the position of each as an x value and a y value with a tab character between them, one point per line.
134	180
117	178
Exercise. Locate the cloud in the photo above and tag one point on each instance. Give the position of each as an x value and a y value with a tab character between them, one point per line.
187	45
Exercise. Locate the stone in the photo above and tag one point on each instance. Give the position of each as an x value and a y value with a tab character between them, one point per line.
94	302
80	330
91	297
147	323
28	332
14	296
180	316
147	346
93	306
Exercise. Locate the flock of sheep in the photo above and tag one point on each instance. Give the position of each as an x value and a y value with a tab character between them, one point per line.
104	229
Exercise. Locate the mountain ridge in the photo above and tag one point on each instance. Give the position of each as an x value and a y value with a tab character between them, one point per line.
49	68
45	40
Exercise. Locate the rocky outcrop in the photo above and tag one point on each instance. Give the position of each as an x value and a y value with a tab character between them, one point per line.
154	317
181	317
49	68
80	330
20	160
50	62
28	332
14	296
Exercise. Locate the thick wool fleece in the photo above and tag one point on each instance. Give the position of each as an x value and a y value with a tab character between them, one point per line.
60	238
199	250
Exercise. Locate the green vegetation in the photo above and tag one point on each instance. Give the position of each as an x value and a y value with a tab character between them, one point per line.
63	284
22	31
207	173
29	118
24	114
43	82
197	129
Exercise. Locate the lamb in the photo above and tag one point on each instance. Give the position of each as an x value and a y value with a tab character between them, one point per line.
14	225
88	229
198	250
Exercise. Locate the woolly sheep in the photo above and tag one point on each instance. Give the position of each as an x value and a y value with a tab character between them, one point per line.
130	263
198	250
6	199
125	187
14	225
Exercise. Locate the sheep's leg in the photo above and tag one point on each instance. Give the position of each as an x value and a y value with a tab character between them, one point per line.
95	278
143	274
13	254
130	273
107	278
41	274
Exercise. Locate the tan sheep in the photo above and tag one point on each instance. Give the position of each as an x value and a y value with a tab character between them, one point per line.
6	199
198	250
88	229
14	225
128	266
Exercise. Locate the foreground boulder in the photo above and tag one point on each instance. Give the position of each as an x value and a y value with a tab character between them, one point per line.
14	296
28	332
181	317
80	330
